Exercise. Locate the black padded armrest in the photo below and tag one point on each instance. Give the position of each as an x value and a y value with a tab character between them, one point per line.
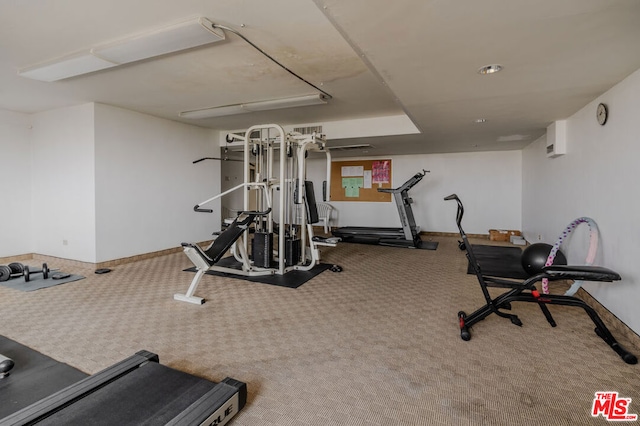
582	273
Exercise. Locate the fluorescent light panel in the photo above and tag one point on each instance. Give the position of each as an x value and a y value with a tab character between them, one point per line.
66	67
214	112
306	100
173	38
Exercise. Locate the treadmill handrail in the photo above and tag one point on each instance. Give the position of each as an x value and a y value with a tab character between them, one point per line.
413	180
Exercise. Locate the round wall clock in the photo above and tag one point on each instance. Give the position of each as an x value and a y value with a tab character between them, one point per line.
602	114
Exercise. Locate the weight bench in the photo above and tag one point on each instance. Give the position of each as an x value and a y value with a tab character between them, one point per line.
526	291
206	259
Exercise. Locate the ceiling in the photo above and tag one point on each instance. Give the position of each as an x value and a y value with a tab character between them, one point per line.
376	58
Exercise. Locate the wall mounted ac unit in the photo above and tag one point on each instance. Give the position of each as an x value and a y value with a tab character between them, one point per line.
557	138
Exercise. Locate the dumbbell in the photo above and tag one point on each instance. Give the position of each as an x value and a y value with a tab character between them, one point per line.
44	271
12	271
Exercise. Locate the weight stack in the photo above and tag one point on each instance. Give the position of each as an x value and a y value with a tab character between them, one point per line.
262	249
293	251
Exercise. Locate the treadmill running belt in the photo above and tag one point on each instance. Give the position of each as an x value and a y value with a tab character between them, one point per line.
153	394
34	376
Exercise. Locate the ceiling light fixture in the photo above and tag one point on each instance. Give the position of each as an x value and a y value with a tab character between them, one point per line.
69	66
480	120
173	38
315	99
490	69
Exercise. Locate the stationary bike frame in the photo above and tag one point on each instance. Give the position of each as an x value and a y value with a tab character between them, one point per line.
526	291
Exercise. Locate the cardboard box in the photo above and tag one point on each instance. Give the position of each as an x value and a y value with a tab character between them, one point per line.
502	234
518	240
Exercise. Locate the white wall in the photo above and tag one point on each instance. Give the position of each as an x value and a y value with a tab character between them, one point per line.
596	178
488	183
15	184
63	190
147	186
95	183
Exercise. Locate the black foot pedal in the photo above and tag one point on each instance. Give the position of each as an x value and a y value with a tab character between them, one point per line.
515	320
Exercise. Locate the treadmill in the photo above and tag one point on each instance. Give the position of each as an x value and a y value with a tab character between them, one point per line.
408	236
137	391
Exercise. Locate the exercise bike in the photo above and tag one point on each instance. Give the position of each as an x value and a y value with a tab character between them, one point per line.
526	291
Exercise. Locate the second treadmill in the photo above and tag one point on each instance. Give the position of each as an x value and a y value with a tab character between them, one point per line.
408	236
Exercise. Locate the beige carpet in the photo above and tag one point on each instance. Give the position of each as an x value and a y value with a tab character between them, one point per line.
376	344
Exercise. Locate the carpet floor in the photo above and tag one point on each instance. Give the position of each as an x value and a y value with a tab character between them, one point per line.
377	344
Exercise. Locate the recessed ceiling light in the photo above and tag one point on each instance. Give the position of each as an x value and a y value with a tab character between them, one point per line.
490	69
480	120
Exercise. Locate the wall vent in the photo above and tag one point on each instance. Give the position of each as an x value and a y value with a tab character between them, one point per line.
308	130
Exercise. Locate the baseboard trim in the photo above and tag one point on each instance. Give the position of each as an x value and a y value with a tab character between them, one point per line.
318	230
18	258
51	260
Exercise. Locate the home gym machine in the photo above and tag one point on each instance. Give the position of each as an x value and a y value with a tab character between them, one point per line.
408	236
526	291
279	173
136	391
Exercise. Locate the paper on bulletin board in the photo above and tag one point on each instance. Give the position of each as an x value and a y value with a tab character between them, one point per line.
367	179
352	170
352	186
381	171
365	167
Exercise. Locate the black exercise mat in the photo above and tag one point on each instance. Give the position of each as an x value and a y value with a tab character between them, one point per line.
499	261
38	282
33	377
293	279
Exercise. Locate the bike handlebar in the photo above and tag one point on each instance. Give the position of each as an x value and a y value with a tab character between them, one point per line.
460	211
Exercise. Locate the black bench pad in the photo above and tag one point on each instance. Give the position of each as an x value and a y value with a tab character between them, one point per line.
582	273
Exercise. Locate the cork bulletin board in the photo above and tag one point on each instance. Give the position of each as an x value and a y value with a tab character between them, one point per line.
359	180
